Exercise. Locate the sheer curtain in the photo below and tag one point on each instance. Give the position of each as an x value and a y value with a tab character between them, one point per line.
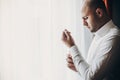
30	38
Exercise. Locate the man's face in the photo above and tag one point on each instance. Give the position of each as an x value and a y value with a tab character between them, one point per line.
89	18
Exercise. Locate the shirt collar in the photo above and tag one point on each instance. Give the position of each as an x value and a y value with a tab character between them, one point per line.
104	29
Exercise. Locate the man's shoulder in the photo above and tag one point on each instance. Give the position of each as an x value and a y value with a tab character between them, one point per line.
114	32
111	36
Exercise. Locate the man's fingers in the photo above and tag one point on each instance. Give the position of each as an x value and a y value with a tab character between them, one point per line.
70	65
69	60
67	31
67	35
63	36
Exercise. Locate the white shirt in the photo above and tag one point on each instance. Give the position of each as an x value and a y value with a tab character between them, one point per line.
99	48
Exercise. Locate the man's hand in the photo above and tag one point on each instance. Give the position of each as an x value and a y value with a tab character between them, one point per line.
70	63
67	38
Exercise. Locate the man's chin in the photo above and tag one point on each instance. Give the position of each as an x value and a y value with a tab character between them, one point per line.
91	30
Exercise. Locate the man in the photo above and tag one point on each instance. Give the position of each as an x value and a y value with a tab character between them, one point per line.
102	62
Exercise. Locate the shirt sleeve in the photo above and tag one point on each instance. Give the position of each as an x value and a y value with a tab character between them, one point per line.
80	64
88	70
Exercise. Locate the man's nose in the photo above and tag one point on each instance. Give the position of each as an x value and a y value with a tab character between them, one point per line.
85	23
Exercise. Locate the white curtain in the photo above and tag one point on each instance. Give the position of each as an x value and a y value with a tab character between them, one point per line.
30	38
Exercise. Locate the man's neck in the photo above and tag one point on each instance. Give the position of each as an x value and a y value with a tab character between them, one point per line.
103	21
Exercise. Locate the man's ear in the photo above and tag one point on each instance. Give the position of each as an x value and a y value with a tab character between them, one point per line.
99	12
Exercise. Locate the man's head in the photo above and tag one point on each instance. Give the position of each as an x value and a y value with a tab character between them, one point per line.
94	14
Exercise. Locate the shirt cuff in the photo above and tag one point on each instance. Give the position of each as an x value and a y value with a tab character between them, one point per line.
74	51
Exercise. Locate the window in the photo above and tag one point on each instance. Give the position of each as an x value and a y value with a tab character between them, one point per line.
30	38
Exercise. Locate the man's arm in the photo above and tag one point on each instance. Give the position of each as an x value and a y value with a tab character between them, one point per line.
105	62
94	71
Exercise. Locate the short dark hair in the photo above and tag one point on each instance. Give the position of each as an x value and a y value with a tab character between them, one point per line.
97	4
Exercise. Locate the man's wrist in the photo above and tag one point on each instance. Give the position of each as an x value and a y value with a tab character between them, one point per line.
71	45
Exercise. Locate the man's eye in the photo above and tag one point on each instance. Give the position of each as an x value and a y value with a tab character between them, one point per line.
85	18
